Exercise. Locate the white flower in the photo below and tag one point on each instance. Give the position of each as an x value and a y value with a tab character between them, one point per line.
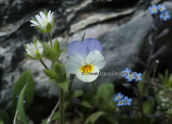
34	50
44	22
85	59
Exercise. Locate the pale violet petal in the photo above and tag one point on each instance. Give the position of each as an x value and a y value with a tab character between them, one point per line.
35	23
43	16
74	63
88	78
39	19
95	58
77	47
93	44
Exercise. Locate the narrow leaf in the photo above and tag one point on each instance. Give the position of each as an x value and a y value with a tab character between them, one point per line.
20	106
55	116
50	73
25	78
63	85
56	47
92	118
48	53
4	117
61	51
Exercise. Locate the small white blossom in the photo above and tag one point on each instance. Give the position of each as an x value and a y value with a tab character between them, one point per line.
44	22
34	50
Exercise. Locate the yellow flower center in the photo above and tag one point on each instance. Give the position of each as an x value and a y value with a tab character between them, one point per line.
120	102
136	77
161	8
118	97
36	52
154	9
45	21
164	15
130	76
126	101
86	69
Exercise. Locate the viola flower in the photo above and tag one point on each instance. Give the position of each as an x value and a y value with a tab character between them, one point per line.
85	59
153	9
127	101
34	50
130	77
165	16
138	77
43	22
117	97
126	72
120	102
161	8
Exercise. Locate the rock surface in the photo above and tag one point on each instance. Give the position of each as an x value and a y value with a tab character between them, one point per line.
121	31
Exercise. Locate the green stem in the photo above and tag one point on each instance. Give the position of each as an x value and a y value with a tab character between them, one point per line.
61	106
50	39
43	63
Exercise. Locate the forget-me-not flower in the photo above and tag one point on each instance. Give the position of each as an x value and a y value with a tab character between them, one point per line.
153	9
138	77
126	72
130	77
44	22
120	102
165	15
85	59
117	97
161	8
127	101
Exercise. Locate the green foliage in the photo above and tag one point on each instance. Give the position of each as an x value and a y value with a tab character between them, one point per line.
56	47
25	78
50	74
92	118
63	85
140	84
48	28
20	107
52	53
86	104
1	122
77	93
105	93
166	80
4	118
55	116
148	107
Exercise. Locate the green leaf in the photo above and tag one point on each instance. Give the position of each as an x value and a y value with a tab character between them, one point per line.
63	85
48	53
50	74
4	117
148	107
48	27
92	118
55	116
61	51
56	47
86	104
44	31
1	122
25	78
20	106
106	90
77	93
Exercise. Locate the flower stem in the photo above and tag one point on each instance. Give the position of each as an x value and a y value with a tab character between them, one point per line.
61	106
43	63
50	39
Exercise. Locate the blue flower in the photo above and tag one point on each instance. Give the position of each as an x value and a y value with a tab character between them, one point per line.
138	77
153	9
130	77
118	97
126	72
165	16
161	8
120	102
127	101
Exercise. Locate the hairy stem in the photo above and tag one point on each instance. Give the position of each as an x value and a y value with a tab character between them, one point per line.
61	106
43	63
50	39
70	84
